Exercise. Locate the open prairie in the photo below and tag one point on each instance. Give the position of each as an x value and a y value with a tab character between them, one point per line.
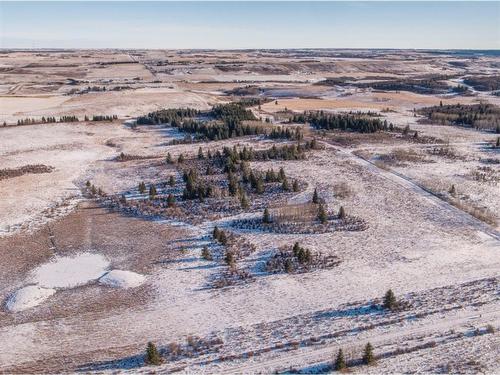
248	211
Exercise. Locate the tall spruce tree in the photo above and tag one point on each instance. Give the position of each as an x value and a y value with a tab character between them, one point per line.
315	198
390	302
266	217
153	357
340	363
368	357
322	215
342	213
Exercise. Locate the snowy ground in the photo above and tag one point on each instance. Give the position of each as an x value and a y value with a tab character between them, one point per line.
84	288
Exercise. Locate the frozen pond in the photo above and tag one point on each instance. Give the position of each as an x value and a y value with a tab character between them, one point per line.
68	272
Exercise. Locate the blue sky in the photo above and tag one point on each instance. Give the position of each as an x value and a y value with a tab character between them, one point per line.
403	24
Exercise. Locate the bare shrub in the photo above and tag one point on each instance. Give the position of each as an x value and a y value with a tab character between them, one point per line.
481	213
342	190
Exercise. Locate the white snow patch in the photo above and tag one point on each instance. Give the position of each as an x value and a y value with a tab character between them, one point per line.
68	272
122	279
27	297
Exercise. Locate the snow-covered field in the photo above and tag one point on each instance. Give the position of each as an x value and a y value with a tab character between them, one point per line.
84	287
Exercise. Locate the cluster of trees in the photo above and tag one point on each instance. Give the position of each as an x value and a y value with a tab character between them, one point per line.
303	255
340	363
481	116
214	131
232	113
167	116
298	259
93	191
484	83
428	85
357	122
240	177
102	118
223	121
286	133
68	118
419	86
230	157
28	121
219	235
196	188
251	102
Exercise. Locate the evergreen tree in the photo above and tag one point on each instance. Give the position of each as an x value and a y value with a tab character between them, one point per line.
322	215
152	355
152	192
244	201
406	130
171	181
87	184
229	258
284	185
368	357
288	266
142	187
315	198
171	200
169	159
452	190
266	217
340	363
259	185
200	154
296	249
222	237
281	174
390	302
209	171
295	186
180	159
498	142
205	254
216	233
342	214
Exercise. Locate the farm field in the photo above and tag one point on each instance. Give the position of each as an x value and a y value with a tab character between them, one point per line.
249	211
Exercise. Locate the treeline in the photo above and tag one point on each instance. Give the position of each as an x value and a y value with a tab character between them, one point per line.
232	113
484	83
419	86
214	131
356	122
168	116
480	116
433	84
53	119
286	133
102	118
286	152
